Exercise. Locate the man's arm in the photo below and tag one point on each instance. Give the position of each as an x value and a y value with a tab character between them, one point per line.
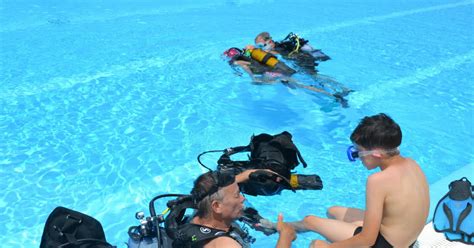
245	175
375	197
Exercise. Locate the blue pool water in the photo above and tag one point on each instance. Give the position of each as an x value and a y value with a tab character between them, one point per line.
105	104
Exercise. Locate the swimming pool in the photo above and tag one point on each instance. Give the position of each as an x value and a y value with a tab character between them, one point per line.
105	104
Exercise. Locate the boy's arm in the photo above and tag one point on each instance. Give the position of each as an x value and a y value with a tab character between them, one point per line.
287	233
375	197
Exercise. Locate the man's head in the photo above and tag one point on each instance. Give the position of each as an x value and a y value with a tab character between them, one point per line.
377	136
218	194
264	41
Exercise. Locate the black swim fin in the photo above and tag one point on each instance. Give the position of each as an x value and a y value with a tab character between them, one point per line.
340	98
306	182
253	219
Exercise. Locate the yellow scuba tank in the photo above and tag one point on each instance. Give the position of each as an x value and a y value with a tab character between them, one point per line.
263	57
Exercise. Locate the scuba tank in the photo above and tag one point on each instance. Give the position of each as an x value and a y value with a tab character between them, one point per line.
264	57
271	61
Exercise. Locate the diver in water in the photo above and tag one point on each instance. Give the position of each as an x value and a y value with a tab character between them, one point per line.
305	57
293	48
264	67
216	198
219	204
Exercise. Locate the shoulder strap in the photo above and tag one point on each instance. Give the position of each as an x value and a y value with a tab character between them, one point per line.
194	235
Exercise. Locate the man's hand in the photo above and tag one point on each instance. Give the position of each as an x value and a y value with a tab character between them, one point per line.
319	244
287	233
244	175
248	47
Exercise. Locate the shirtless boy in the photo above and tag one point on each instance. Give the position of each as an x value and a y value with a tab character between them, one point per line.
397	197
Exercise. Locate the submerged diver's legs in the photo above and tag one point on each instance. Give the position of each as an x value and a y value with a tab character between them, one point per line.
349	215
327	81
312	88
333	230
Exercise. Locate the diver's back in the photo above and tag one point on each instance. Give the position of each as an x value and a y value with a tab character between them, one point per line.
406	205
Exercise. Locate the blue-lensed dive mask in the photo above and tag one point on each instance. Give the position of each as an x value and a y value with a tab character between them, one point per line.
263	45
353	153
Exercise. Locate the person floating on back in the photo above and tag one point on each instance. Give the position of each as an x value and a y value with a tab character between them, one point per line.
264	63
305	58
264	68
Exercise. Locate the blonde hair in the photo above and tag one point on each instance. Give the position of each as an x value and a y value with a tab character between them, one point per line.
262	35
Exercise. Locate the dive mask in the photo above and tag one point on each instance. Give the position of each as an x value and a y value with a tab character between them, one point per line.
353	153
263	45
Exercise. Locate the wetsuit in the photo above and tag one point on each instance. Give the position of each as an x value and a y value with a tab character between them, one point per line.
381	242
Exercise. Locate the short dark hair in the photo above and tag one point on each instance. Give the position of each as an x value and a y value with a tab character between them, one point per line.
377	131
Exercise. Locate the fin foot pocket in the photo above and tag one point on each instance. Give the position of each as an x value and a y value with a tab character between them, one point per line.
306	182
257	222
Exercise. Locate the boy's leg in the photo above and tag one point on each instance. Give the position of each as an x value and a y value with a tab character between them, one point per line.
349	215
352	216
333	230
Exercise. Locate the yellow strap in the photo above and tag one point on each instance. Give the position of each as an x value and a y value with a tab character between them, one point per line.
166	211
294	181
297	48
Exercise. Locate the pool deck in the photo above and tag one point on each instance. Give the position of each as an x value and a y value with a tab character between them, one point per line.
429	237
